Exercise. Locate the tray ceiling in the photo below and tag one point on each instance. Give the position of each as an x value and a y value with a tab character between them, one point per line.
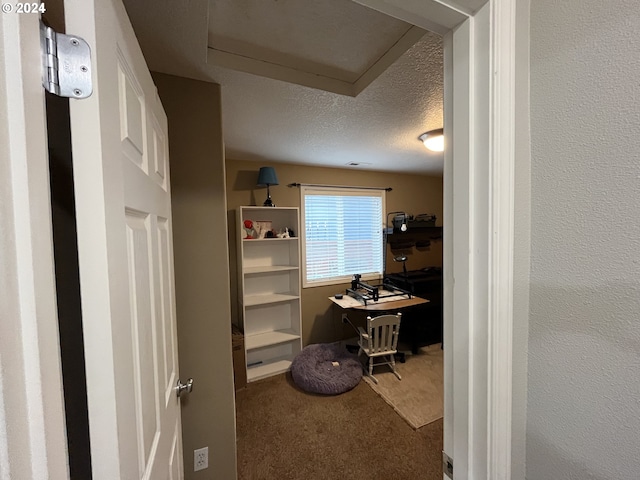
335	45
321	82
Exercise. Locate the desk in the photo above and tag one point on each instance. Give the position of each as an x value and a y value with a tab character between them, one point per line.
389	303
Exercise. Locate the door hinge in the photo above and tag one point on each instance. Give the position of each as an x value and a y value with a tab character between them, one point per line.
447	465
66	64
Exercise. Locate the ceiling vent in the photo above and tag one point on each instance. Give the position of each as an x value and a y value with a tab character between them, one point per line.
356	164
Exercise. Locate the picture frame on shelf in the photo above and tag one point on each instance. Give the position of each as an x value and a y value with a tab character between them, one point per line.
262	227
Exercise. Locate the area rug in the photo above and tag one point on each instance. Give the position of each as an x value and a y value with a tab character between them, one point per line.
418	397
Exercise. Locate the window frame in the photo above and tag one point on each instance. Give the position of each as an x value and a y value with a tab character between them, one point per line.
341	191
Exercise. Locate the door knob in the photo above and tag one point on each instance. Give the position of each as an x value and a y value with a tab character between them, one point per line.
184	387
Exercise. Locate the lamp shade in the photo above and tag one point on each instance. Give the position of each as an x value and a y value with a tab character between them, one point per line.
433	140
267	176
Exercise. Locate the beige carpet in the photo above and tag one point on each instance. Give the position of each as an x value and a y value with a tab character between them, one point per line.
418	397
285	433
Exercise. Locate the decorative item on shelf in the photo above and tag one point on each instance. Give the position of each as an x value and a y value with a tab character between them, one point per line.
423	220
404	222
421	223
398	223
267	177
250	230
284	233
262	227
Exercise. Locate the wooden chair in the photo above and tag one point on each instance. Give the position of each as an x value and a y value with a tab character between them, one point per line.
380	340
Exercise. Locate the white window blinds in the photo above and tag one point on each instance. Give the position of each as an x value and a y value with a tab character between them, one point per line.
342	234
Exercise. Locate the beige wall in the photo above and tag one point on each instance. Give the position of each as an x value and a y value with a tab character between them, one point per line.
201	271
413	194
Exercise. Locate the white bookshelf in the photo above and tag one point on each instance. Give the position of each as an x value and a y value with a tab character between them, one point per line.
253	300
269	289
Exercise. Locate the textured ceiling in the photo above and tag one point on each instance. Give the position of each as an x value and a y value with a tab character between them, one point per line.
274	120
337	35
378	128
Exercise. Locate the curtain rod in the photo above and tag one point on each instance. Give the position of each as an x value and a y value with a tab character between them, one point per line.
388	189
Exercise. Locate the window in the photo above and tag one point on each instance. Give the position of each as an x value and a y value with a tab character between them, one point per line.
341	234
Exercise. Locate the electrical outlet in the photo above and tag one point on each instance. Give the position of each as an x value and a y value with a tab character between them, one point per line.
345	319
200	459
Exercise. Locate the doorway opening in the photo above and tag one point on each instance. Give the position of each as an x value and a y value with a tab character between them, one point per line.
410	250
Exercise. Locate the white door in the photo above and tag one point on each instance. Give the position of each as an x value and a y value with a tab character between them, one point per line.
123	202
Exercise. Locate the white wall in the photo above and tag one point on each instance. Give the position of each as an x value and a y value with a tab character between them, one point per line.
583	419
522	246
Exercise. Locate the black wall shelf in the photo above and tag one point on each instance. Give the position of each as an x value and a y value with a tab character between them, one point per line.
413	237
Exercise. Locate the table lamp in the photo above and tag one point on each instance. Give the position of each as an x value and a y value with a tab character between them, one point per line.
267	177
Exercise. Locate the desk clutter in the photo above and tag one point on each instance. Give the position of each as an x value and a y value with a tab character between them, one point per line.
383	297
364	292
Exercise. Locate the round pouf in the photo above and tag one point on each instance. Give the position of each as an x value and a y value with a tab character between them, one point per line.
325	368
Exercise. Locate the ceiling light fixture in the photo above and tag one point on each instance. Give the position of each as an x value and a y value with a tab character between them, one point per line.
433	140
